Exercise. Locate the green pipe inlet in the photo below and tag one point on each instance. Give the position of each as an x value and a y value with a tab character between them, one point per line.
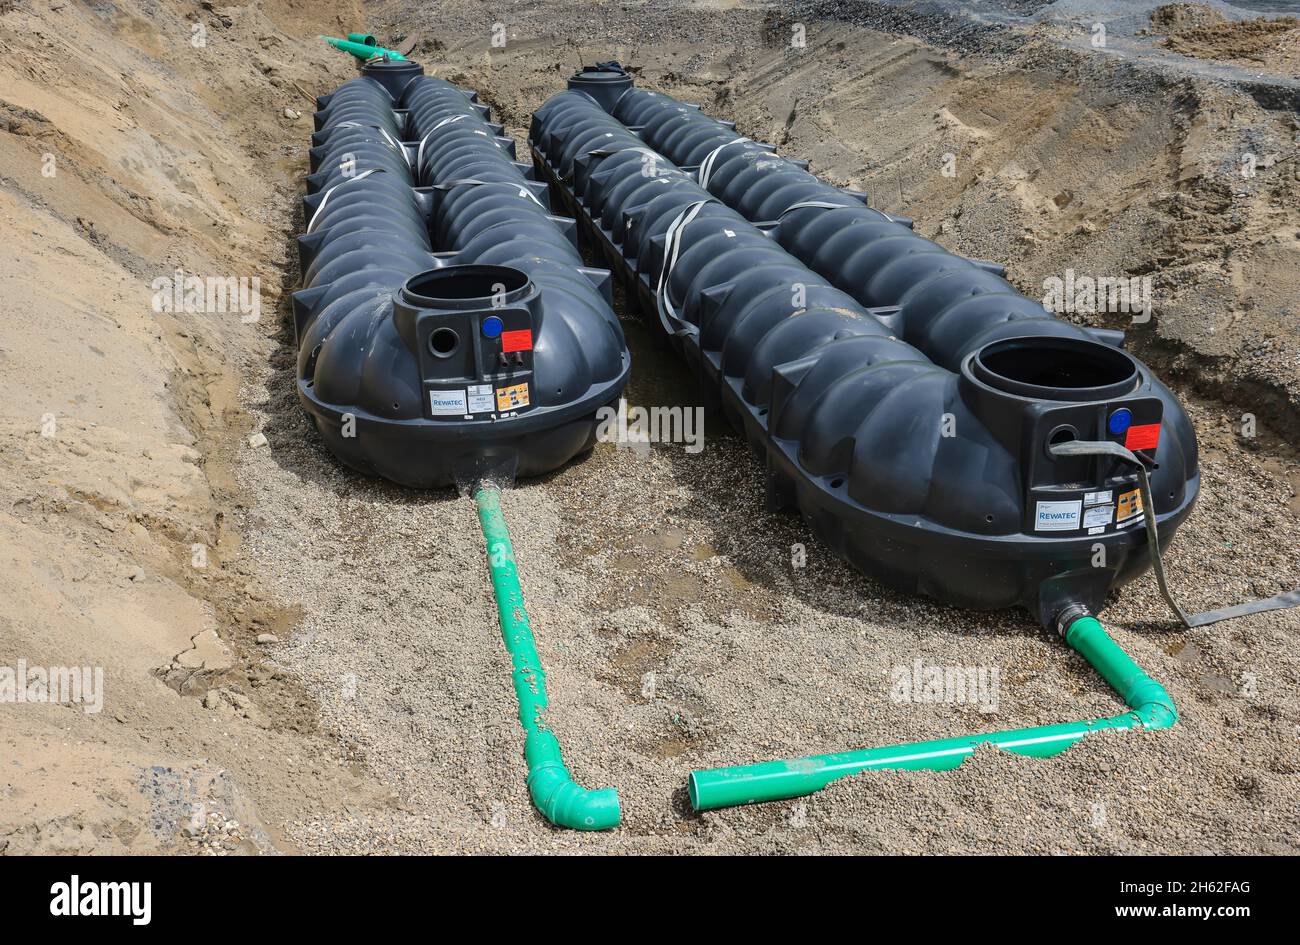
362	50
777	780
364	39
561	801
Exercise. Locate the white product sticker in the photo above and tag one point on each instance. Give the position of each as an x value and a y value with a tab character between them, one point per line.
1058	516
482	398
447	402
1099	498
1098	515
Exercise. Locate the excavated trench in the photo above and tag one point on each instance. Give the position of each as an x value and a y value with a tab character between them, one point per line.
684	626
680	621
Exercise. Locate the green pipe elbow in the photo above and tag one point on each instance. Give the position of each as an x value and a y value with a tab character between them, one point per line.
553	791
1138	690
565	803
1155	715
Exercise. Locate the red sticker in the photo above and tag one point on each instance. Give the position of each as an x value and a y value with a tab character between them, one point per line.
1144	437
521	340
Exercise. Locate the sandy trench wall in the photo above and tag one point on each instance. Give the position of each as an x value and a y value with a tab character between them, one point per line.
139	139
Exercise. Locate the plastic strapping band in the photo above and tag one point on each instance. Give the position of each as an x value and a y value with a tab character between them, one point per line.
473	182
659	174
392	142
324	200
672	246
706	166
419	154
1282	601
607	152
397	145
813	204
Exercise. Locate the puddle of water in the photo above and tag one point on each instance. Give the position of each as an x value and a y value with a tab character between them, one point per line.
1217	683
665	538
703	551
1186	651
659	377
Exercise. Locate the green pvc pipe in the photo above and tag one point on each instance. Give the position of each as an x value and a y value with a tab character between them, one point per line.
362	50
777	780
364	39
561	801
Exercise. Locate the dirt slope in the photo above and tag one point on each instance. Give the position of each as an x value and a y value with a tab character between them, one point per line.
119	424
1271	43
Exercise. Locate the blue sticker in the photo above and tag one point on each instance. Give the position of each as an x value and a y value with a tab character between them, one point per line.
492	327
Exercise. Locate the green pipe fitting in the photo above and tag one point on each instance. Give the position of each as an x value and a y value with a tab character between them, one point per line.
554	792
778	780
364	39
1138	690
362	50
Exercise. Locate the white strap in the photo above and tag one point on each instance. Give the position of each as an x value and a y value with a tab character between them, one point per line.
608	152
818	204
672	247
397	145
392	142
419	154
311	225
706	166
523	191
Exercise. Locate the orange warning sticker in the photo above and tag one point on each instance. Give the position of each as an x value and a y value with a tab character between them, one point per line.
512	397
1130	505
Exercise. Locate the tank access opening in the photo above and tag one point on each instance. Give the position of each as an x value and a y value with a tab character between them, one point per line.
473	286
1053	368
